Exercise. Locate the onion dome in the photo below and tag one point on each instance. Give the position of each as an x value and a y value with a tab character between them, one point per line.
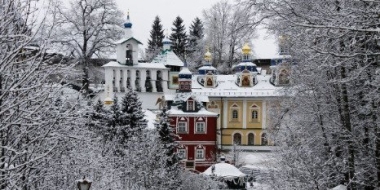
207	67
246	49
208	56
166	40
128	23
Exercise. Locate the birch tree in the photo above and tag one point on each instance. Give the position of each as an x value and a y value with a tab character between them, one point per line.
88	29
329	132
227	27
33	116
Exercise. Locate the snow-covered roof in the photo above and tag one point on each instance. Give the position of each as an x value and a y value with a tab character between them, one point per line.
227	87
202	112
185	96
224	170
207	67
185	70
169	58
127	39
245	64
139	65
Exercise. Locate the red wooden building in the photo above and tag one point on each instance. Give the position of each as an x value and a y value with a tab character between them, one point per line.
195	126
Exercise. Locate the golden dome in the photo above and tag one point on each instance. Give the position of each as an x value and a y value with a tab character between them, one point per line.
246	49
108	101
208	56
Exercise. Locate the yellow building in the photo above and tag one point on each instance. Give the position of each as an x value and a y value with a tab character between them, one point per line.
242	100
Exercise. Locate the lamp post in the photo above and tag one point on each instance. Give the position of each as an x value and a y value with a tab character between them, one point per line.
84	184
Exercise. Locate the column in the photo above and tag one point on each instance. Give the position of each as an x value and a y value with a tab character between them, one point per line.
142	80
263	113
117	80
133	78
164	82
244	114
125	77
153	80
225	112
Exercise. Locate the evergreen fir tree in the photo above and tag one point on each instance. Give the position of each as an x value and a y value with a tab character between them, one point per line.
167	139
196	47
196	33
132	115
114	120
156	37
179	37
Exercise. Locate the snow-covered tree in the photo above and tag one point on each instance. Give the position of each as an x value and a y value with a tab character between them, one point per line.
167	141
34	117
179	37
132	114
88	29
156	37
329	132
196	47
227	27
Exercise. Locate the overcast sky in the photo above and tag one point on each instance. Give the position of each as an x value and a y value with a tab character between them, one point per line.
143	12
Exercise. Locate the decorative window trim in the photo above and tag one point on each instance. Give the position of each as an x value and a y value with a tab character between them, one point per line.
200	148
186	128
212	105
234	108
190	102
179	150
204	127
252	108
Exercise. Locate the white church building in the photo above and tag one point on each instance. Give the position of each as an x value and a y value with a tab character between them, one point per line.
151	80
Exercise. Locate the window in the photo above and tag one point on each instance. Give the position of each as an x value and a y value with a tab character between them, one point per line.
182	127
237	138
200	127
255	115
200	154
182	153
251	139
235	114
190	105
264	140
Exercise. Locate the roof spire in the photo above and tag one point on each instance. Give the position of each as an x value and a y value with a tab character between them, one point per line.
128	23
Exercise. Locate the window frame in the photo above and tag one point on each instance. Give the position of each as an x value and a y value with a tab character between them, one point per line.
196	128
233	114
182	151
185	125
203	154
190	102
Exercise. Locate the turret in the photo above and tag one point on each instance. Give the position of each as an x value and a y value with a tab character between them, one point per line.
184	80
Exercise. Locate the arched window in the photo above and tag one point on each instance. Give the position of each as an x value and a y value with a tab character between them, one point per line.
264	139
237	138
251	139
235	114
254	114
